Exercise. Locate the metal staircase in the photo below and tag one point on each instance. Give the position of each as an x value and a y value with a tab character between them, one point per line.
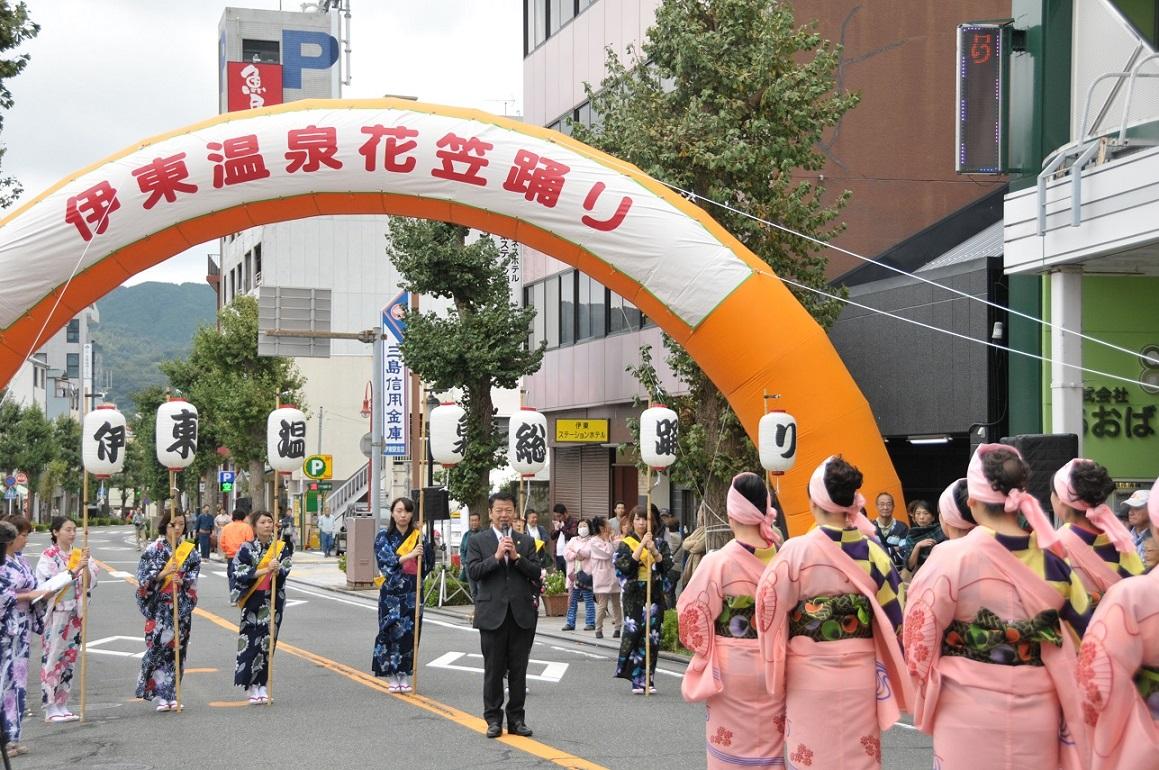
343	497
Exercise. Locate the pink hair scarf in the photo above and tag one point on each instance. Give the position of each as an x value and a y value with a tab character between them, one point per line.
1018	501
741	510
853	515
1100	515
948	509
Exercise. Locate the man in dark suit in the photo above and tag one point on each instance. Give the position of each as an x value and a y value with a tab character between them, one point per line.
505	568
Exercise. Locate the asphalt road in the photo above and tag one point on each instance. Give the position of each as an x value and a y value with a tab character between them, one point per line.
329	712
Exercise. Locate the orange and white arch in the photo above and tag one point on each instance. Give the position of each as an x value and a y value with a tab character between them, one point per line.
594	212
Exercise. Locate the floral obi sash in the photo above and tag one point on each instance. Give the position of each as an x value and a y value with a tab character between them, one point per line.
990	639
735	620
832	618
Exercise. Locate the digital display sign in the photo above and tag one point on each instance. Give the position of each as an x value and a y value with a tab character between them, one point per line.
981	102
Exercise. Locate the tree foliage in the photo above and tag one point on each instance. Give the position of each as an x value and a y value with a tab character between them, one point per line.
728	100
234	390
479	344
15	28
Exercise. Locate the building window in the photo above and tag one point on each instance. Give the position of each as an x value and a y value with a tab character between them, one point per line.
261	51
544	18
592	306
248	275
258	265
623	316
561	12
551	311
533	296
567	313
72	365
73	332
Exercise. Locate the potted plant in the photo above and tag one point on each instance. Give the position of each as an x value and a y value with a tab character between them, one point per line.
555	595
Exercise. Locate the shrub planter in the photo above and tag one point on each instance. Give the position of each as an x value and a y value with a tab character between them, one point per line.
555	605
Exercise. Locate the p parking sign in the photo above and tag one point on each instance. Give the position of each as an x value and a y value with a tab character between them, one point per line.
225	480
319	467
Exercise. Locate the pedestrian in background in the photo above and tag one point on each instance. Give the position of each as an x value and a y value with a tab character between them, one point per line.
256	562
20	617
169	560
1136	506
562	530
140	527
641	558
286	527
472	530
219	522
924	533
891	533
62	622
397	548
618	512
578	557
326	524
235	533
604	583
204	532
693	549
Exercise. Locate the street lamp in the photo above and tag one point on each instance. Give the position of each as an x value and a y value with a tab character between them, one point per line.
367	400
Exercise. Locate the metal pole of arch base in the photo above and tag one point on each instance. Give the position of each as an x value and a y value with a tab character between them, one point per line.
648	595
421	449
84	597
273	633
173	541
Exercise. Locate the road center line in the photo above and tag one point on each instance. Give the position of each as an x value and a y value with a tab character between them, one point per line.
527	745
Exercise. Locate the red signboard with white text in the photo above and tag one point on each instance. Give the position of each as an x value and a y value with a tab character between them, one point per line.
250	85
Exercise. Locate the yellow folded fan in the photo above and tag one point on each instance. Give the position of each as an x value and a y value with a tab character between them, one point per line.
177	560
646	559
405	547
274	552
73	562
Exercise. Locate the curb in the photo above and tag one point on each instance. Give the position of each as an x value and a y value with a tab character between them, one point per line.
671	657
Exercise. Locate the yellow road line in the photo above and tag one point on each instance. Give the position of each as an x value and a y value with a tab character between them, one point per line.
527	745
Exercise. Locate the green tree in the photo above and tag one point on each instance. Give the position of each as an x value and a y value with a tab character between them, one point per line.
66	440
143	473
25	443
480	344
728	100
15	28
234	390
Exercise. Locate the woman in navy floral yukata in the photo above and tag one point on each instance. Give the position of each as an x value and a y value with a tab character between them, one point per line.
638	558
396	551
254	564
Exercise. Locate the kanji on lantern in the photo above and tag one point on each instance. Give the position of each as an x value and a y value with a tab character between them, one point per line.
659	431
286	439
237	160
456	151
448	433
176	433
539	179
777	441
110	441
604	225
311	147
527	441
91	209
164	178
398	141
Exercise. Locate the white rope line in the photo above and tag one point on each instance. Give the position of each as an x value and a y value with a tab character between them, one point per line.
36	341
966	337
819	242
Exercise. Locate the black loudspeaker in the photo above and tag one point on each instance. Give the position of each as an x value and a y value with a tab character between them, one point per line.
436	503
244	504
1045	453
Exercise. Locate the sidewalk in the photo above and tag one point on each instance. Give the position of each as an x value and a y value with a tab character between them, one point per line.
314	570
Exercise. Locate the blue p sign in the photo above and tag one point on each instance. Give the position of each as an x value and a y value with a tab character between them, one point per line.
294	59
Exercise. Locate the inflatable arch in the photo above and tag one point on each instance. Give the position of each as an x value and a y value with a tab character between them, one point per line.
590	210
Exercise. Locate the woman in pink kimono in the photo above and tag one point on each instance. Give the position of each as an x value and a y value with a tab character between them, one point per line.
1099	548
828	615
716	623
1118	670
986	633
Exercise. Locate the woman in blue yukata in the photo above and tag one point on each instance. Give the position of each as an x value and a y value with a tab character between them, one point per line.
168	561
20	617
396	548
255	563
641	558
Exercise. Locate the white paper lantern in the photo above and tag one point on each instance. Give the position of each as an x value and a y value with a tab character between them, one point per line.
176	434
777	441
527	442
448	434
103	441
286	438
659	430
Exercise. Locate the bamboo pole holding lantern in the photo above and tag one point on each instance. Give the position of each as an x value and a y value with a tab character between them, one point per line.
423	438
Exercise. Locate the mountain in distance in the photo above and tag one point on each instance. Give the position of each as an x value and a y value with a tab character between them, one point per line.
143	325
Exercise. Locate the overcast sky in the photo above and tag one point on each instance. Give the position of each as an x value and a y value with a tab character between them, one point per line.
106	74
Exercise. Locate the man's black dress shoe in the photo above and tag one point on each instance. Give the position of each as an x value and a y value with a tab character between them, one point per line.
494	730
519	728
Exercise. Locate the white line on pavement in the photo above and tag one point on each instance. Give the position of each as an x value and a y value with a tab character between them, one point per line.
580	652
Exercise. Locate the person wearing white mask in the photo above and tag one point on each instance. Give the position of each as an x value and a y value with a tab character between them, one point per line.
578	556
